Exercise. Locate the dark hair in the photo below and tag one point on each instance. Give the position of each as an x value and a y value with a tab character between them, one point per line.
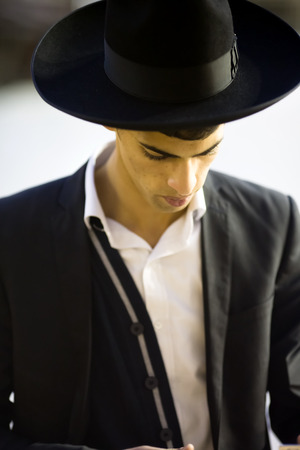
192	134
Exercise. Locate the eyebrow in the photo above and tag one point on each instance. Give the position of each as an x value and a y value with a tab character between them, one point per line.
170	155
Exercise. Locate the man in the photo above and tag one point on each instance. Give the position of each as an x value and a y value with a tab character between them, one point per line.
145	301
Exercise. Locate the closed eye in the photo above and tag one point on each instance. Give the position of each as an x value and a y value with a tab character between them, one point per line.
156	154
210	151
154	157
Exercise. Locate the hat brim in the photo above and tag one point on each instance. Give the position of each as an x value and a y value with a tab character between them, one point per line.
68	73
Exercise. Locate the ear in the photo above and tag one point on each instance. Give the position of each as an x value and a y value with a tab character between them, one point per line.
110	128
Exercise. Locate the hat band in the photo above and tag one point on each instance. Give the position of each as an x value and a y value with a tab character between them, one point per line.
175	84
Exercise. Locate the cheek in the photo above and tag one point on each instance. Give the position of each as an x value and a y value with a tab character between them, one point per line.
149	179
141	172
131	165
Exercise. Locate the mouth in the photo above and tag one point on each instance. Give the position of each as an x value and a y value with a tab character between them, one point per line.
177	201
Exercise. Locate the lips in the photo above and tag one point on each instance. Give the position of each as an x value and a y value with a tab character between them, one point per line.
177	201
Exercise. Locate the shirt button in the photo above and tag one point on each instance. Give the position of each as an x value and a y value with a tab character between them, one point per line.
137	328
166	434
151	382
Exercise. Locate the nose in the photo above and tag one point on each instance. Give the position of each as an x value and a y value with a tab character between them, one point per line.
183	177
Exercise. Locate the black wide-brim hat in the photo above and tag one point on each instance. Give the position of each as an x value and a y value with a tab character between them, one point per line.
94	65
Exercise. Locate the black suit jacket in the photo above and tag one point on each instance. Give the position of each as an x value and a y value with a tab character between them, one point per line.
251	279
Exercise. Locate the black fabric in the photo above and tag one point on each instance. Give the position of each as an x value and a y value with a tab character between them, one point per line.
68	72
169	33
172	84
123	412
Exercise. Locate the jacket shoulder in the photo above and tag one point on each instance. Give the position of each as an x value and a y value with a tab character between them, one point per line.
244	194
42	195
32	202
33	207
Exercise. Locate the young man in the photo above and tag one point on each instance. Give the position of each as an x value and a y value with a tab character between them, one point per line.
144	300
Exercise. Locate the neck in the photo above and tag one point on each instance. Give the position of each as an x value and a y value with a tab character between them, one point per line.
123	204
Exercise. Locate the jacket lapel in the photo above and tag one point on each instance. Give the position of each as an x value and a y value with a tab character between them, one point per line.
216	261
73	269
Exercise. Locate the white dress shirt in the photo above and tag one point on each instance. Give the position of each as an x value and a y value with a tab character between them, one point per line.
168	277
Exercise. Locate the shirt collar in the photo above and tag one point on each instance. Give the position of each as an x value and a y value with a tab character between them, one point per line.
93	208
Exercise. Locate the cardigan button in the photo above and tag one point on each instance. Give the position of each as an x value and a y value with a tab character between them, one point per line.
166	434
151	382
137	328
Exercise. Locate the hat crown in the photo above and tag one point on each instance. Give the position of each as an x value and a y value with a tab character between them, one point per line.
169	33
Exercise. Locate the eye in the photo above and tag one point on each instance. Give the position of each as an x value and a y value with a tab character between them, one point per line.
211	152
214	151
154	157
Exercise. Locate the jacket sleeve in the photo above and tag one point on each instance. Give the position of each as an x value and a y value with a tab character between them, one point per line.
284	373
8	439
